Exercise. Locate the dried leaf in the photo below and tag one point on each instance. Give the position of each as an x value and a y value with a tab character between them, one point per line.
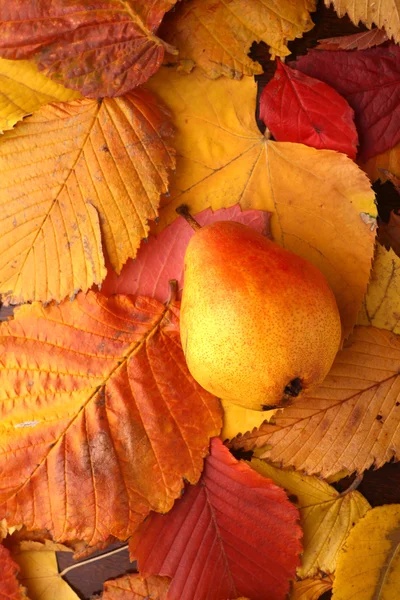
311	589
369	563
98	407
161	259
10	588
382	13
216	36
356	41
326	516
299	108
104	48
350	421
71	174
24	90
135	587
238	419
370	82
235	533
223	159
389	233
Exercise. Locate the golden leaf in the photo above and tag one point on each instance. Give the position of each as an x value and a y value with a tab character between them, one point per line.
238	419
217	35
311	589
350	421
318	197
326	516
71	174
369	562
24	90
382	13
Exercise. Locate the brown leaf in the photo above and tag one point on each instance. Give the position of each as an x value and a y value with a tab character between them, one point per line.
389	233
356	41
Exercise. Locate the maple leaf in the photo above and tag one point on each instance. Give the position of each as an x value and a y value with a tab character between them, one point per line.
311	589
71	174
234	533
356	41
324	514
299	108
222	159
369	80
216	36
104	48
369	563
10	588
135	587
350	421
101	420
161	259
382	13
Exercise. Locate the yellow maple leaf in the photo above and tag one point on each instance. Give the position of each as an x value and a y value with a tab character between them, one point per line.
311	589
369	562
326	516
238	419
382	13
24	90
318	197
217	36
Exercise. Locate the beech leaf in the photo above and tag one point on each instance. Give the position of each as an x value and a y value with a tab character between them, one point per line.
135	587
101	420
356	41
350	421
370	82
299	108
235	533
10	588
222	160
216	36
369	562
72	174
104	48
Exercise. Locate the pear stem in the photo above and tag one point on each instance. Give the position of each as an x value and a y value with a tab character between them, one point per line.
183	210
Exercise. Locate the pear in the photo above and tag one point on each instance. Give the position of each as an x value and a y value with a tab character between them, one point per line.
259	324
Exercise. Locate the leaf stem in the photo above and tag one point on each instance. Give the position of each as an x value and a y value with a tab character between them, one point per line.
183	210
94	559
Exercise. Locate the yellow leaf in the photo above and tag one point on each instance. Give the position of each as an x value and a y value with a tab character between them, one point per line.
389	160
381	306
369	562
24	90
216	35
72	174
39	574
382	13
238	419
350	421
326	516
311	589
318	197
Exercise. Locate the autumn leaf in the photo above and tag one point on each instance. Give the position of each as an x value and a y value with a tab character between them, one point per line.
388	161
101	420
161	259
350	421
382	13
135	587
368	565
10	588
238	419
222	160
73	174
235	533
216	36
311	589
104	48
24	90
369	80
356	41
326	517
299	108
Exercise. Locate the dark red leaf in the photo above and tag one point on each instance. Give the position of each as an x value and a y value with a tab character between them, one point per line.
356	41
161	259
299	108
370	82
234	533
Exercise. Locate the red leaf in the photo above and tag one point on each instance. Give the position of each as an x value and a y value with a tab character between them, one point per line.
101	48
298	108
161	259
10	588
370	82
356	41
232	534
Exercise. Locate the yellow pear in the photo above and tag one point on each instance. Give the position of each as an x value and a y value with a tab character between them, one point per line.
259	324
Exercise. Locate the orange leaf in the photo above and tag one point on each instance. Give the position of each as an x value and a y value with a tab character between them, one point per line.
101	48
10	588
71	174
100	418
350	421
135	587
